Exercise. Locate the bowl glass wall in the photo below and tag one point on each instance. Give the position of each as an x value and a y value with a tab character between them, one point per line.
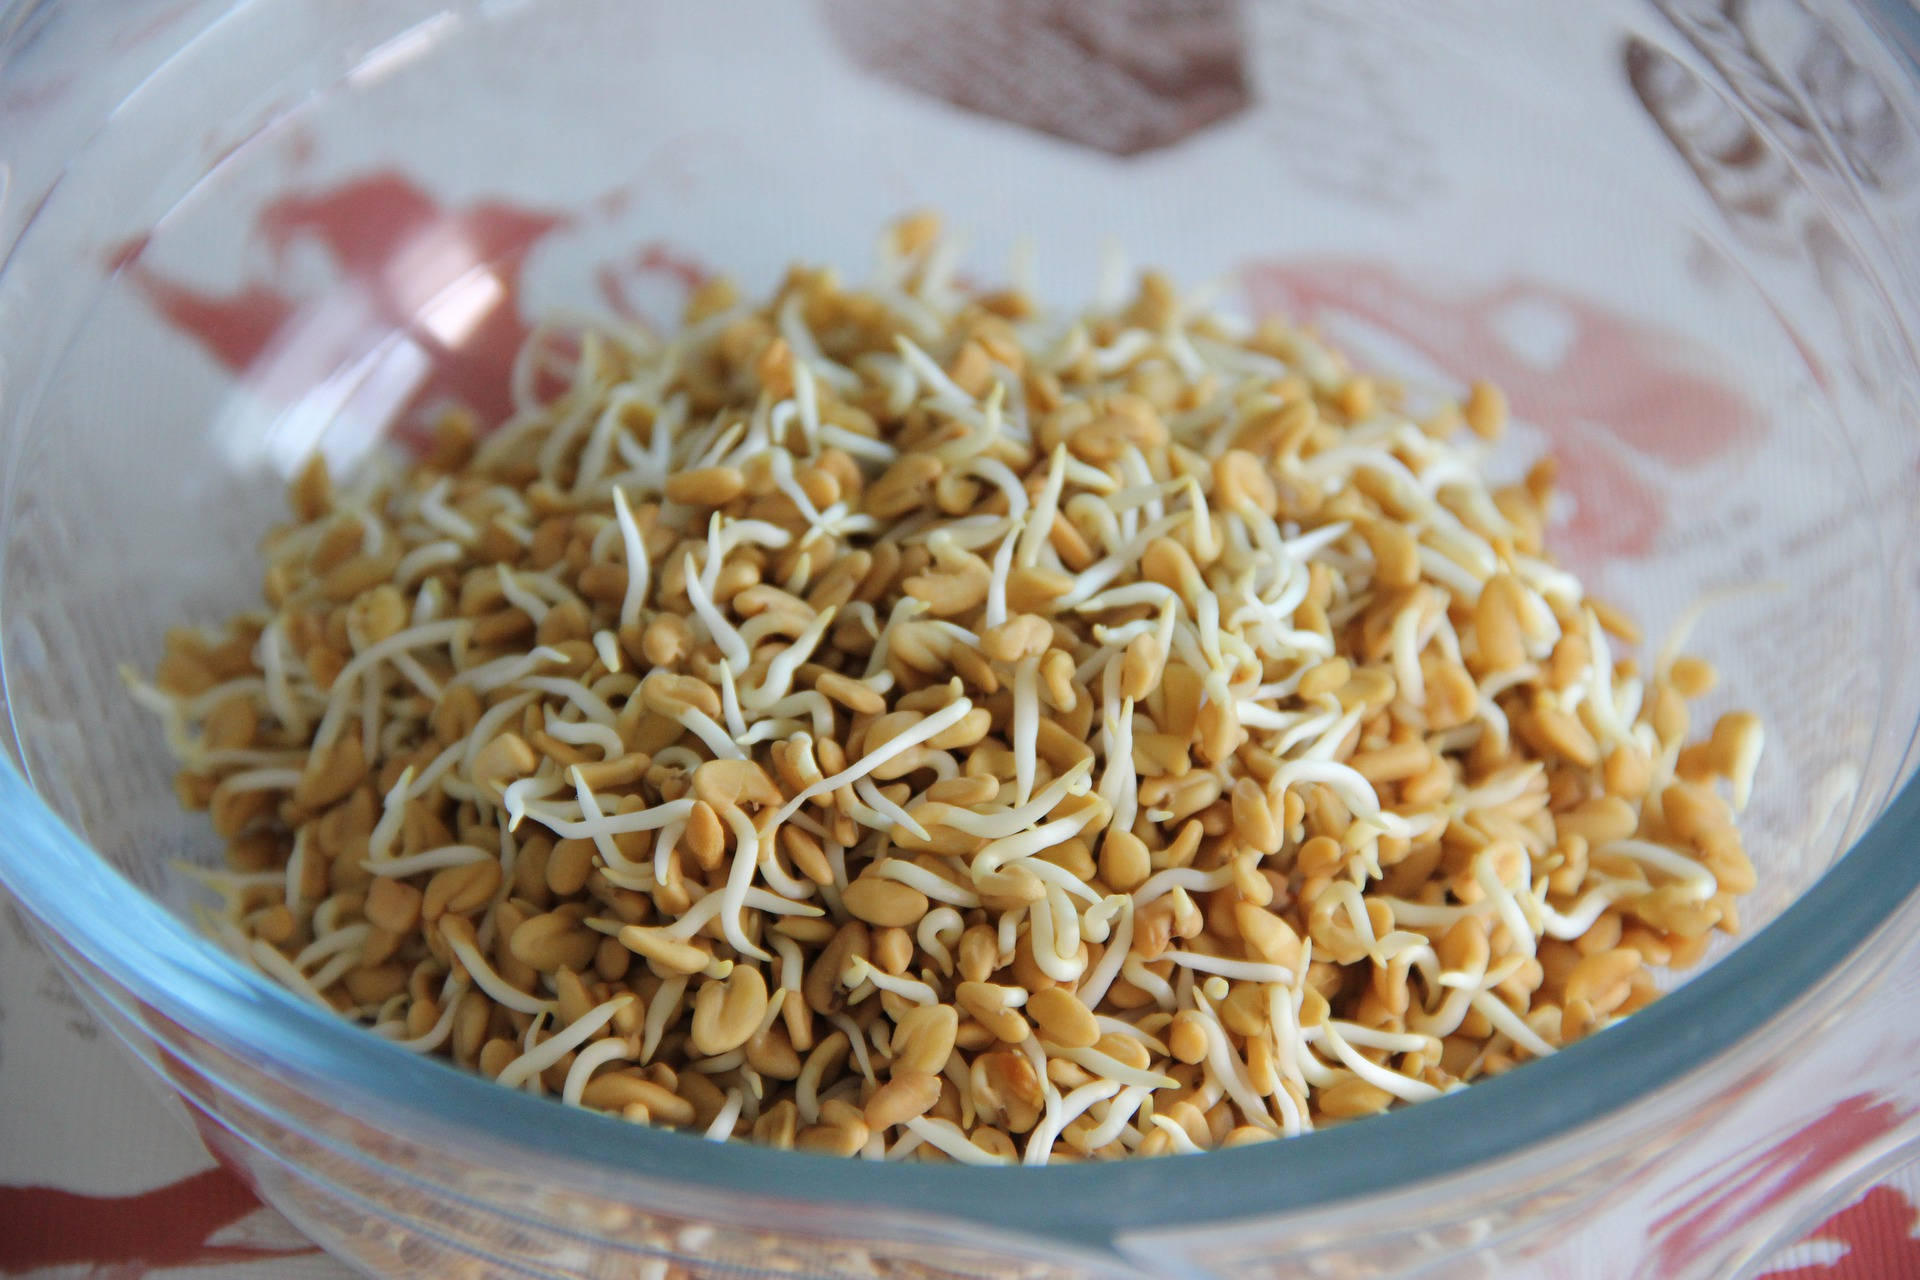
1682	240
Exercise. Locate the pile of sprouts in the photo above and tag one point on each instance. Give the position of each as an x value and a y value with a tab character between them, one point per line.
907	723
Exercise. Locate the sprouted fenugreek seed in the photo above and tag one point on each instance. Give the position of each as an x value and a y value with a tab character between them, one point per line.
900	722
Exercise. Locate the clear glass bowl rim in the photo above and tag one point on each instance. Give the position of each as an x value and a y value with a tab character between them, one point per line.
159	961
1818	942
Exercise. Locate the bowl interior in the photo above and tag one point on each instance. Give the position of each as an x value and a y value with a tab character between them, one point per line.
375	218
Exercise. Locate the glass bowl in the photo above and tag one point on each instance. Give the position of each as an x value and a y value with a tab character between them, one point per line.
1681	234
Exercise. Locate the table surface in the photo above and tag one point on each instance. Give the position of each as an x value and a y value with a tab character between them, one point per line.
88	1139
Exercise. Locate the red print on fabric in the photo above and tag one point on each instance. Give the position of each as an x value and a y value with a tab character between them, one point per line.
1610	391
125	1237
1877	1233
444	280
1766	1178
652	262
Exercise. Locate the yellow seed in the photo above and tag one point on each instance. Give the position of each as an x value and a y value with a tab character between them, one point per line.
460	890
908	1095
979	953
1601	979
706	486
821	985
892	950
808	858
231	723
356	574
951	593
619	1090
1124	1048
393	905
968	730
972	667
1486	410
1394	763
553	941
964	793
1627	772
772	1054
1062	1018
1025	635
1369	687
568	866
1239	480
665	953
495	1055
506	759
832	1140
667	694
726	1013
665	640
1556	733
1568	663
1031	590
1320	856
904	485
1220	735
572	1000
470	1026
923	1039
1352	1097
1722	853
727	784
276	925
914	232
1107	437
375	984
1693	813
1059	690
616	774
1325	678
1124	862
1141	666
1428	787
331	773
1158	754
1600	821
991	1007
1736	743
1253	820
1187	1038
884	902
851	694
1267	936
1158	1143
310	492
1246	1135
377	613
1496	624
1614	622
1396	555
1452	696
1668	715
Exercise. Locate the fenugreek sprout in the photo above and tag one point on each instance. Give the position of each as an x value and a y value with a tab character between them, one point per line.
909	723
